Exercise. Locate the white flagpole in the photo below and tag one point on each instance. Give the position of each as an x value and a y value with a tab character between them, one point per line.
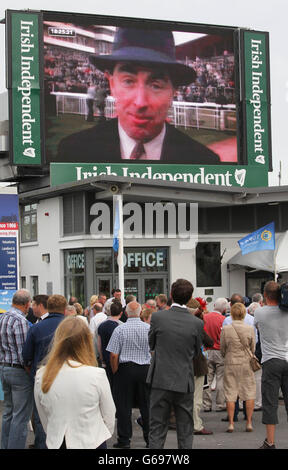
119	199
275	267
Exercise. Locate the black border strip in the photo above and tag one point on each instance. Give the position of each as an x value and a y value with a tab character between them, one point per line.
242	116
238	96
268	86
143	22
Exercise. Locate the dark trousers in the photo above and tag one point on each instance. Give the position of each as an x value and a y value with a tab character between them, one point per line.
161	402
130	391
274	378
236	411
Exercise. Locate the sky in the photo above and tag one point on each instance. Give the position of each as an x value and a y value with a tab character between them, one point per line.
261	15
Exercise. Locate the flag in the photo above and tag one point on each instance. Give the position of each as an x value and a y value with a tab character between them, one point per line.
116	228
261	239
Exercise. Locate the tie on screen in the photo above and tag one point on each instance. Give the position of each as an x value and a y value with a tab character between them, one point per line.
137	151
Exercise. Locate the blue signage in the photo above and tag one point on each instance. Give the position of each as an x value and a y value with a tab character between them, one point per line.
9	225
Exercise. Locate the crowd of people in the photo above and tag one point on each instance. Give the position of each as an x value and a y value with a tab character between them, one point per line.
75	371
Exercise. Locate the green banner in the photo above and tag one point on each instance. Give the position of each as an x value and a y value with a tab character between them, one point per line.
257	102
61	173
25	89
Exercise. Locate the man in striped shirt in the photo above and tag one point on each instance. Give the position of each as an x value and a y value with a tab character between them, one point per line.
16	383
130	359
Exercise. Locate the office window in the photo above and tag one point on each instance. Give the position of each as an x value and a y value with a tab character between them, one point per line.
73	214
29	223
208	264
34	282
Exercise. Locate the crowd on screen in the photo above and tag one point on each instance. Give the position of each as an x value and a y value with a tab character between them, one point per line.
71	72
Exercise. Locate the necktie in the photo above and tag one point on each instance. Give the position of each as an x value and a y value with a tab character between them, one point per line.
137	151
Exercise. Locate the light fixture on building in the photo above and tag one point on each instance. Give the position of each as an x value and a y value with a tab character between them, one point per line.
46	257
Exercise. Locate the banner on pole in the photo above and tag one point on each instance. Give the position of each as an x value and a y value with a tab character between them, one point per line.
261	239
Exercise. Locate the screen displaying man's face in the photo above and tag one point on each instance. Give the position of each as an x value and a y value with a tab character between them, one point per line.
143	97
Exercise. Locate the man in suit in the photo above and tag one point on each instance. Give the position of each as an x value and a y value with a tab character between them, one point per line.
143	75
175	338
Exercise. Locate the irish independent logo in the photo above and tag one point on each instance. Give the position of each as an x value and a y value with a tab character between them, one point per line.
27	46
26	91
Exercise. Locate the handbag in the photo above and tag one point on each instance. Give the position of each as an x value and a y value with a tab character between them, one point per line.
254	363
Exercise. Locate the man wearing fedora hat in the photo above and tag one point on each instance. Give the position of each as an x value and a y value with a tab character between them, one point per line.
143	75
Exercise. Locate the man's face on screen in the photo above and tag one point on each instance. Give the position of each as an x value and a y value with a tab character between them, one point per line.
143	96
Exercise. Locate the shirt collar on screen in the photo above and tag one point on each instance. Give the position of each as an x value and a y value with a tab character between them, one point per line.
152	149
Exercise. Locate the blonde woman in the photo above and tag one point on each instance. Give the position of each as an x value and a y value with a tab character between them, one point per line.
88	312
235	342
79	312
72	394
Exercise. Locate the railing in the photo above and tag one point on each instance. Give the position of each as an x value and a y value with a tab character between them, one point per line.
181	114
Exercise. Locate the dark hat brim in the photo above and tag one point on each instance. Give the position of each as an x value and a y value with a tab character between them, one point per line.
180	74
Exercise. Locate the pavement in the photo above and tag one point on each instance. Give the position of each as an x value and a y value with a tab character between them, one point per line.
220	439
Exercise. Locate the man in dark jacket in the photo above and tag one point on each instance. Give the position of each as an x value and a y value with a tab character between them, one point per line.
175	337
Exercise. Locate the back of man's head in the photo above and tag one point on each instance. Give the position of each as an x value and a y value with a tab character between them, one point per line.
41	299
272	292
221	305
257	297
181	291
116	309
252	307
236	298
161	299
133	309
97	307
56	304
130	298
21	297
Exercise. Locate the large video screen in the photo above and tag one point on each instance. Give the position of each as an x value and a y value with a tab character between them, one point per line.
139	98
109	88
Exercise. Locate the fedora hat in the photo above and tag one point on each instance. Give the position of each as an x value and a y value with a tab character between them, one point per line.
149	47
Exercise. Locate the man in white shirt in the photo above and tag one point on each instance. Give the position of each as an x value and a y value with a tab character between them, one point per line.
98	318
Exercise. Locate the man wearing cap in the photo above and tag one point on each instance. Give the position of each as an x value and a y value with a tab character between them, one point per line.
143	75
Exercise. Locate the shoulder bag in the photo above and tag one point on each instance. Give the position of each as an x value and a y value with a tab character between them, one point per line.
254	363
